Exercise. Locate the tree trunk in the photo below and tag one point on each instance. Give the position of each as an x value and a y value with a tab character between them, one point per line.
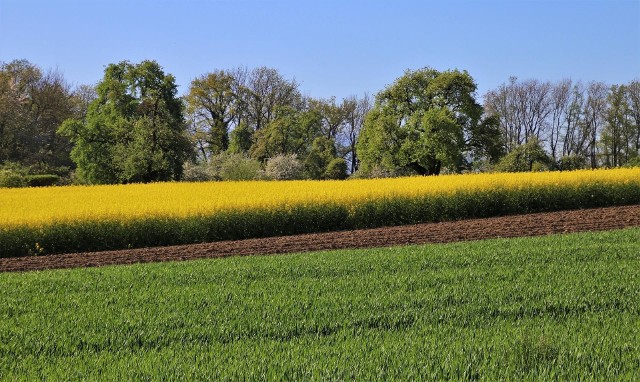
437	167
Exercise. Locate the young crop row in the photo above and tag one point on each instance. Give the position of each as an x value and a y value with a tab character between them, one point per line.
87	218
561	307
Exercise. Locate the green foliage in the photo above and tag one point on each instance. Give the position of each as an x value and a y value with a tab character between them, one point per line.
14	175
292	132
211	102
562	307
91	152
485	142
572	162
527	157
323	151
619	138
241	139
218	138
634	162
379	141
12	179
426	120
336	169
435	144
134	130
33	103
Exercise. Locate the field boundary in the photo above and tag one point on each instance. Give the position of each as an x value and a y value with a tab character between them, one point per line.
537	224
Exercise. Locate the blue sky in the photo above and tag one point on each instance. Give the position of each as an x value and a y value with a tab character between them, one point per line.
332	47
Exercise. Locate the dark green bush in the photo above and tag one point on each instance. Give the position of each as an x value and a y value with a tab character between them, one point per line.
336	169
42	180
571	162
633	162
11	179
527	157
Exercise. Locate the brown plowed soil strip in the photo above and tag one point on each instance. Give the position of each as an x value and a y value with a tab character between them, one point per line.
474	229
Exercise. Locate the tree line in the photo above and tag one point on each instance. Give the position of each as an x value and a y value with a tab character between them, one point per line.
262	115
255	123
578	124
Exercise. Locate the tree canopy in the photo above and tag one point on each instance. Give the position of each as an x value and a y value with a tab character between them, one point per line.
132	126
134	130
33	104
424	121
212	106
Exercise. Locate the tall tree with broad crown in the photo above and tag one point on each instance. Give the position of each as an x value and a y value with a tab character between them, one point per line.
134	130
425	121
211	102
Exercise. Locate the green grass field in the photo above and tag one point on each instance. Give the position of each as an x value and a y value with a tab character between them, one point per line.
558	307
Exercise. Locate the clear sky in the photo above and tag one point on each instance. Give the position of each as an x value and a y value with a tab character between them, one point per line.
332	47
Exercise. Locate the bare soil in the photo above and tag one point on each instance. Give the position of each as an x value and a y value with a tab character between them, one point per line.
598	219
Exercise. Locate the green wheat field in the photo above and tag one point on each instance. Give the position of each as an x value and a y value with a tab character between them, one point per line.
563	307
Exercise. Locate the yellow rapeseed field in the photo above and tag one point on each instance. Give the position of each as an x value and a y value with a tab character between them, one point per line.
35	207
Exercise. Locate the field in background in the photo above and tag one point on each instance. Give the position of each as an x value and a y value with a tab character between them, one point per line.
564	306
67	219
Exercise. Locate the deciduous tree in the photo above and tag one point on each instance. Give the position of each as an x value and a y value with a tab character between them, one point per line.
212	106
523	108
33	104
618	135
633	95
356	110
134	130
425	120
291	133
